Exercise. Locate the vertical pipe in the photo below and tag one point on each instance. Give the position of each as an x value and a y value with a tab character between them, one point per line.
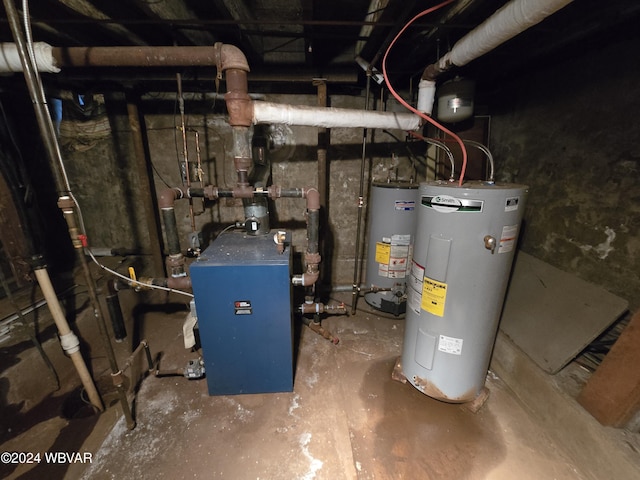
357	263
186	174
323	170
146	185
115	312
68	339
68	210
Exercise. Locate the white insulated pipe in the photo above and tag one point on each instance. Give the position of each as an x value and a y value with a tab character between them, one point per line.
329	117
507	22
10	59
68	339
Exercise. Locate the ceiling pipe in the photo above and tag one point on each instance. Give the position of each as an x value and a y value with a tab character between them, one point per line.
330	117
228	58
513	18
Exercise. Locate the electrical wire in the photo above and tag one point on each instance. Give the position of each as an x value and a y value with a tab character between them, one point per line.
135	282
414	110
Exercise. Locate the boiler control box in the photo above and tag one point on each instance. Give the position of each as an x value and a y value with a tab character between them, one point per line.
242	288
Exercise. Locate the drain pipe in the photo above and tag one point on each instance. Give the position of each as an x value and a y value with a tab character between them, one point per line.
513	18
68	339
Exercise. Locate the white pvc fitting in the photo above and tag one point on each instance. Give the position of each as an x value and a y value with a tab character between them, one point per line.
10	59
70	343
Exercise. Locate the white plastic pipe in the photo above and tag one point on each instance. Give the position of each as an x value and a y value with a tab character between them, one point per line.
510	20
327	117
68	339
10	60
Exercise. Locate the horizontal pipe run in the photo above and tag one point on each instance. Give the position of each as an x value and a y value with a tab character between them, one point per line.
164	56
329	117
174	283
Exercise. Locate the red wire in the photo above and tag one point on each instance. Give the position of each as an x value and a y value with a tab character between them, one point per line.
403	102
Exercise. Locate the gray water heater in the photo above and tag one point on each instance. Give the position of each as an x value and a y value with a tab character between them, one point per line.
465	242
392	213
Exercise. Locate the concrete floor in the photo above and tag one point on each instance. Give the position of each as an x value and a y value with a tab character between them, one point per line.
345	419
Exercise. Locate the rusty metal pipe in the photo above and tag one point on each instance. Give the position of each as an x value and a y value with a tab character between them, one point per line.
174	283
163	56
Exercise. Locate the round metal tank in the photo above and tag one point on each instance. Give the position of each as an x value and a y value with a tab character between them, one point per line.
465	242
392	214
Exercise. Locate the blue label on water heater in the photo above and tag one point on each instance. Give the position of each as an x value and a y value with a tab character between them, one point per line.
405	205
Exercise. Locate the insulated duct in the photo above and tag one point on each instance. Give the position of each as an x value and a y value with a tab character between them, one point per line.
513	18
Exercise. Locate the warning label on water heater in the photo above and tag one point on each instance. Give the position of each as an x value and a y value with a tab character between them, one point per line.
393	255
508	238
434	296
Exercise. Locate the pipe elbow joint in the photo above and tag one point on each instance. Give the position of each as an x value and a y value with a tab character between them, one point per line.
313	198
168	196
305	279
229	56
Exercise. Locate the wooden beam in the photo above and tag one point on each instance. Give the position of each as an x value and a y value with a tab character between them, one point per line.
612	394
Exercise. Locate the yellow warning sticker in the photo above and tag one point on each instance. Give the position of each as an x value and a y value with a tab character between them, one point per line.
383	252
434	295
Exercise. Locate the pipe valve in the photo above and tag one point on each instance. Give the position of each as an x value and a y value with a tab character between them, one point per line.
490	243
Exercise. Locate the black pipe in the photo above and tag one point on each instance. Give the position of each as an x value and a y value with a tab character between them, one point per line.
313	227
115	312
171	230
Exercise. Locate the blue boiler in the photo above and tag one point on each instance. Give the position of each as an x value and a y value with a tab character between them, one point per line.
242	289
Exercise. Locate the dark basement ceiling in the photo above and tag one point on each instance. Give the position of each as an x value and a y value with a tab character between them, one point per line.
294	41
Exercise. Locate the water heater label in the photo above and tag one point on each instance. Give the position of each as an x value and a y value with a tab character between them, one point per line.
393	255
450	345
405	205
414	292
434	296
448	204
383	252
511	204
242	307
508	238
